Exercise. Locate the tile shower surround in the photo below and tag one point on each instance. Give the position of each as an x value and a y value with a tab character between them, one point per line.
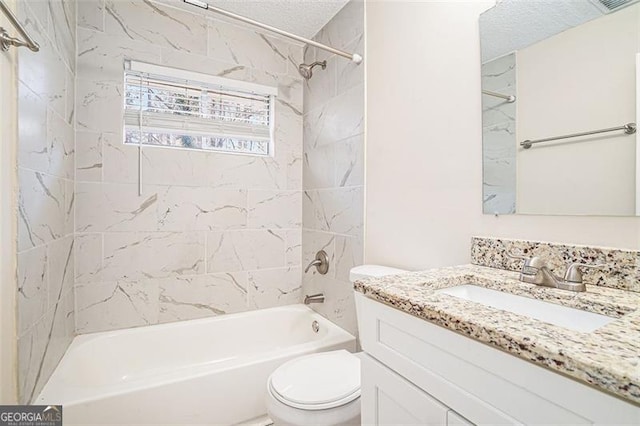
212	233
333	166
46	156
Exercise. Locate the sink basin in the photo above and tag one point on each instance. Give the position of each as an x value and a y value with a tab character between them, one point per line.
573	319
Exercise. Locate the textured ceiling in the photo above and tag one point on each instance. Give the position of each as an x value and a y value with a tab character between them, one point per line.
514	24
301	17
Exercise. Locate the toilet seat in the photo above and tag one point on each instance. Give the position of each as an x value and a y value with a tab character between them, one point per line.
318	381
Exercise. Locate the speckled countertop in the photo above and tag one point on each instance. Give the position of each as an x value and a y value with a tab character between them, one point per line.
608	358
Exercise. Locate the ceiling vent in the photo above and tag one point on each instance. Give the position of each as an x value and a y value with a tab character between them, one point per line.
611	5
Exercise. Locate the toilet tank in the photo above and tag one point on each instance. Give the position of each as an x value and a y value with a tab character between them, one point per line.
369	271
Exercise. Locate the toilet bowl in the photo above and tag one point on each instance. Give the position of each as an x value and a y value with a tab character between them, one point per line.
321	389
318	389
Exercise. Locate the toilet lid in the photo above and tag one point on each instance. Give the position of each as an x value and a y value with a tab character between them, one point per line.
318	381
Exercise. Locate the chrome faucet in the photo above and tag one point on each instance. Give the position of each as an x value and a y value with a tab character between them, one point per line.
314	298
535	271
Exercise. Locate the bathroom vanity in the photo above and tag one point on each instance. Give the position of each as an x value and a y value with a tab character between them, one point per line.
439	353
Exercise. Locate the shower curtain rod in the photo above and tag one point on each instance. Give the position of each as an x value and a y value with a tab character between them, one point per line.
7	41
203	5
509	98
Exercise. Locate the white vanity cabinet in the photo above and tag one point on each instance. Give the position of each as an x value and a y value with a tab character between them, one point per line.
389	399
418	373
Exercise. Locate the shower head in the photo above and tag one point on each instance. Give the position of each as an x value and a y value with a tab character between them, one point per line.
307	70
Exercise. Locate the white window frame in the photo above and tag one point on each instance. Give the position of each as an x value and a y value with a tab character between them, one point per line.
225	83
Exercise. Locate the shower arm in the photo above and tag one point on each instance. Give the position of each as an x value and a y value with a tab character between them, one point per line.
203	5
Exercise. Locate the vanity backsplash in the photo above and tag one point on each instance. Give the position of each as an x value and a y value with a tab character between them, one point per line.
622	270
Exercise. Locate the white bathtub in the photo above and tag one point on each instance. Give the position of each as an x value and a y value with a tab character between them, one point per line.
207	371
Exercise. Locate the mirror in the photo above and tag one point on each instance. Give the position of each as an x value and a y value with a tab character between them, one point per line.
559	107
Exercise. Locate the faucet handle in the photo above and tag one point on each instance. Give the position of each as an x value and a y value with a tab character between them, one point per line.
531	265
513	255
574	273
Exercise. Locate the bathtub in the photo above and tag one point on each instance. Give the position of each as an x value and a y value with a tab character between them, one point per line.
206	371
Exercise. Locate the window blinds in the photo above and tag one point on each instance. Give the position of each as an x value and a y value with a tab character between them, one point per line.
170	107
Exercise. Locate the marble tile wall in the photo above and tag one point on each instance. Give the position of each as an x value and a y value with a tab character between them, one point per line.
333	165
499	136
212	233
46	155
619	269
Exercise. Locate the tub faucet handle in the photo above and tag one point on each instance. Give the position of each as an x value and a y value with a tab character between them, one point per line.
321	262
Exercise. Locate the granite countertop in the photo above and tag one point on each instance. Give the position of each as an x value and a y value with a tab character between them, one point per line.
608	358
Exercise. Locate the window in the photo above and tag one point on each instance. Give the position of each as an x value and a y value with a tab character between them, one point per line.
174	108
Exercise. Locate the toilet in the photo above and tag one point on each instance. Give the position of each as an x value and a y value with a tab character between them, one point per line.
321	389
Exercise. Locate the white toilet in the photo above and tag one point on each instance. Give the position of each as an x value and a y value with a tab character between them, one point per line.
321	389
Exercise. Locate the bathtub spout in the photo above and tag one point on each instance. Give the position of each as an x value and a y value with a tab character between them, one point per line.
314	298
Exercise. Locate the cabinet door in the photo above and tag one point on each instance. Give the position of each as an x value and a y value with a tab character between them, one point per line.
389	399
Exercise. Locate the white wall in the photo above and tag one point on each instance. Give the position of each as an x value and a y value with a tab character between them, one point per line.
423	151
582	79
